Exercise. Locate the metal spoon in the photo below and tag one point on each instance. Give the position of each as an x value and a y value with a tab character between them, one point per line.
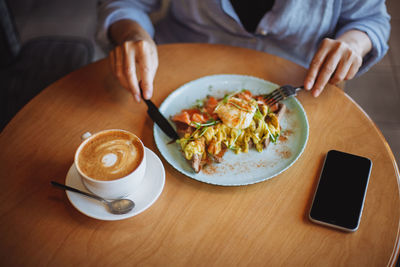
117	206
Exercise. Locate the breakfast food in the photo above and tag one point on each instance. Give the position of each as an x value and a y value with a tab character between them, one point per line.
110	155
236	122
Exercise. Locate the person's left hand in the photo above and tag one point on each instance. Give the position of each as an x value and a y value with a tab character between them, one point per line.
335	61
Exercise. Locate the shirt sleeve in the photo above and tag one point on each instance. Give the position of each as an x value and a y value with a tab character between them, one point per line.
110	11
371	17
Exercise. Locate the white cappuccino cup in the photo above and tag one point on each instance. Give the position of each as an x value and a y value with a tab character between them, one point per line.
111	163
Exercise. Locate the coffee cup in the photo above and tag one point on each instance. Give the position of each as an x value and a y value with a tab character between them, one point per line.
111	163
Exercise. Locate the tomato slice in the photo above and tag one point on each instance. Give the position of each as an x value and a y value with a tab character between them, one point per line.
211	104
196	117
182	117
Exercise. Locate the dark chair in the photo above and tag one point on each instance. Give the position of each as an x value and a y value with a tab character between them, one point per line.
26	69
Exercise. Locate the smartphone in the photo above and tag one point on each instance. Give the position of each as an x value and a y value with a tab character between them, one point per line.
339	198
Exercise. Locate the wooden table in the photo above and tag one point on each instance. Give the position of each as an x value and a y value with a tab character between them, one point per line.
192	223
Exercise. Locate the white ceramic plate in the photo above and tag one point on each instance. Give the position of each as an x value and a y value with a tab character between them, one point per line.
150	189
236	169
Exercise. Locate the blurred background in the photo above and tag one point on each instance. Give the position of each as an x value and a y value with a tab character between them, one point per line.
51	26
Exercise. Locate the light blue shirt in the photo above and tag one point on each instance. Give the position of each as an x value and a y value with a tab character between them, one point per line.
293	29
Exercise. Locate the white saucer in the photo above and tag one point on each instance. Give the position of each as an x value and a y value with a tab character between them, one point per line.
150	189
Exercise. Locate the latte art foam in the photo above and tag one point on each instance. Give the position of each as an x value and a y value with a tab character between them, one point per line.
110	155
109	160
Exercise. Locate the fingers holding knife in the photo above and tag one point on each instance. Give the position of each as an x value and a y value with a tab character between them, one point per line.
135	62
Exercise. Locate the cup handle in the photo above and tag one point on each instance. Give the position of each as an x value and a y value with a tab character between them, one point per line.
86	136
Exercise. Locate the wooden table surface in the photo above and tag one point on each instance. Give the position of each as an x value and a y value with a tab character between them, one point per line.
192	223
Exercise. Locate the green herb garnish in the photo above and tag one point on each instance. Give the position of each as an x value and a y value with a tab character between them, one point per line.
199	103
258	114
208	123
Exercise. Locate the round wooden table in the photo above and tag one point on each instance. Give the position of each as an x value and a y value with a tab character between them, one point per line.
191	223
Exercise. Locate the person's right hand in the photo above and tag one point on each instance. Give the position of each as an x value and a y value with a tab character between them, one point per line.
134	61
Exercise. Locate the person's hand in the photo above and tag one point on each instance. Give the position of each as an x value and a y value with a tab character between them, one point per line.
336	60
134	61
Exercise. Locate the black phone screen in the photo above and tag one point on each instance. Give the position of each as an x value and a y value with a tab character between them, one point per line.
340	194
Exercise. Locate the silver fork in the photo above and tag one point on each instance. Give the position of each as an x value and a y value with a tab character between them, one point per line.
281	93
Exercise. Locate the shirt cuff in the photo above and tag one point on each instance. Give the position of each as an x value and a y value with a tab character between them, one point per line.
113	14
379	44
